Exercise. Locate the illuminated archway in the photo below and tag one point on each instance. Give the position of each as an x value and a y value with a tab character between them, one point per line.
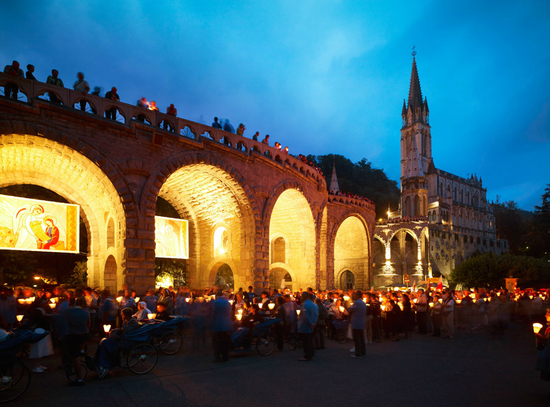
292	217
221	222
26	159
351	250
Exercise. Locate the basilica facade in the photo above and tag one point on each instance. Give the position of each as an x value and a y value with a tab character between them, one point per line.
443	218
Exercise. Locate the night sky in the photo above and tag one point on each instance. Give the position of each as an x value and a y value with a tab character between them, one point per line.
323	77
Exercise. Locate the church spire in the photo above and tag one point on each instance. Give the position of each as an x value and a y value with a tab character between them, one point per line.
415	94
334	188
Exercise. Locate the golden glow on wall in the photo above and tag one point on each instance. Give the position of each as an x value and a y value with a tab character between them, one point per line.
32	224
171	238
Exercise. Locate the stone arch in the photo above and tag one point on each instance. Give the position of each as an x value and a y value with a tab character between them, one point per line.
352	248
206	191
275	267
214	267
291	215
28	159
342	274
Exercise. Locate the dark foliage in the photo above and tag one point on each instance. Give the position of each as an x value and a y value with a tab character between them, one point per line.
360	179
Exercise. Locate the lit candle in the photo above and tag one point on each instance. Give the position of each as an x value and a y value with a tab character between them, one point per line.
239	316
298	311
136	299
119	299
106	328
261	304
341	308
231	301
240	311
346	297
187	299
271	305
52	305
19	318
537	327
152	315
431	304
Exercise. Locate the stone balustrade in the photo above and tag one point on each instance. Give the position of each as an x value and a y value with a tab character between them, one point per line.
32	92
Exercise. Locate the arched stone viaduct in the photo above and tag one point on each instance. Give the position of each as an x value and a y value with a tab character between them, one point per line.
279	219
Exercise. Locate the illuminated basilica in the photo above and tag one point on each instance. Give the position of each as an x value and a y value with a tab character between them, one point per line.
442	219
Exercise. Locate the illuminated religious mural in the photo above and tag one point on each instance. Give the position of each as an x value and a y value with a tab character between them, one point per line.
171	238
32	224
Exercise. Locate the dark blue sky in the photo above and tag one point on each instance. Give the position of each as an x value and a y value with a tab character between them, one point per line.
321	76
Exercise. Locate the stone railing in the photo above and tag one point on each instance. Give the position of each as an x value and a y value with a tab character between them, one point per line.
406	219
32	92
348	200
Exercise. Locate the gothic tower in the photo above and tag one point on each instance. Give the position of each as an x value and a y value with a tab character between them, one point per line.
416	150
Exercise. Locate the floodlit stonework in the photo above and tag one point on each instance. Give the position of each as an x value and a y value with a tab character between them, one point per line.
442	219
279	225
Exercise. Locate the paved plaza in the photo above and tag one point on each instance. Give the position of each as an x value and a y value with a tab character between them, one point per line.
471	370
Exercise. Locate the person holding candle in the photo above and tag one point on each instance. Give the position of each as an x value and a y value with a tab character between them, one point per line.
448	314
107	349
542	339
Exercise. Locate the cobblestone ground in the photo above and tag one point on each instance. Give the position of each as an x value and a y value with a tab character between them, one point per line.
473	369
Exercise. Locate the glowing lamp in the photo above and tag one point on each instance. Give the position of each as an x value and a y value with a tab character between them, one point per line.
106	328
537	327
239	316
298	311
271	305
19	318
152	315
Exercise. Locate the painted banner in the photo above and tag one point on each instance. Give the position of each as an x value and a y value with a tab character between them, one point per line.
171	238
33	224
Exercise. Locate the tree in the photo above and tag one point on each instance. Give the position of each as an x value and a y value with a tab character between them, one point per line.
490	270
360	179
512	224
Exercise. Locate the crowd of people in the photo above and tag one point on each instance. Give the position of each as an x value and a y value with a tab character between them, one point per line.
75	316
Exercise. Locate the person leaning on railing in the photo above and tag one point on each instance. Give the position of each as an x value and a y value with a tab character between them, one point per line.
11	89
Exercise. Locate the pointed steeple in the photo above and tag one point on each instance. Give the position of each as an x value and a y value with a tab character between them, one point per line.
334	188
404	110
415	94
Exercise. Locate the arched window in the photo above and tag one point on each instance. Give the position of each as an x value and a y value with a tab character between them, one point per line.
221	242
278	254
